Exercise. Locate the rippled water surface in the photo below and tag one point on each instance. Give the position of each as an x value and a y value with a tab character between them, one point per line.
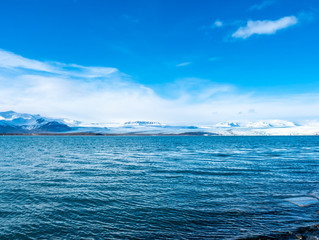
72	187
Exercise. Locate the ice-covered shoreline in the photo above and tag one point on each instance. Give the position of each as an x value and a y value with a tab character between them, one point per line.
21	123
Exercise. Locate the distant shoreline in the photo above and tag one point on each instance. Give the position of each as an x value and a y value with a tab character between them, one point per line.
203	134
108	134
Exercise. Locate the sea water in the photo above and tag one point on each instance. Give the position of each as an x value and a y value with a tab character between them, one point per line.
99	187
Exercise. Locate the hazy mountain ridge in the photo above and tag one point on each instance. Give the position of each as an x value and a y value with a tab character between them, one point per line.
22	123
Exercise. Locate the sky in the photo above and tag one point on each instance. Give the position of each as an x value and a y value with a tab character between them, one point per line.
181	61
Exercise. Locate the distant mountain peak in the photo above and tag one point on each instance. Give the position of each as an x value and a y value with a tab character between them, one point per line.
13	122
40	120
54	126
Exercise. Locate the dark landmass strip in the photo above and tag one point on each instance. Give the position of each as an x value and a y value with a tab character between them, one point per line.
110	134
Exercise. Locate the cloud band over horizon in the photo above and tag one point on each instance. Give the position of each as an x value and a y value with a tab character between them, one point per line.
104	94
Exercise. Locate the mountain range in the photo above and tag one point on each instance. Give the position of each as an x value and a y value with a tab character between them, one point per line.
22	123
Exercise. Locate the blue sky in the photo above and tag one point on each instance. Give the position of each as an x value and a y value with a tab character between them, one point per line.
194	53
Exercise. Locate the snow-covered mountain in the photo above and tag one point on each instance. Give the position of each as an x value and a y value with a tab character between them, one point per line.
12	122
22	123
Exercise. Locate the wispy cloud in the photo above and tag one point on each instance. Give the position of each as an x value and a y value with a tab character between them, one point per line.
307	16
12	61
261	5
102	94
264	27
218	23
183	64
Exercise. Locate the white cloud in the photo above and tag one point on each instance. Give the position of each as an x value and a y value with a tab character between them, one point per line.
218	23
264	27
183	64
98	94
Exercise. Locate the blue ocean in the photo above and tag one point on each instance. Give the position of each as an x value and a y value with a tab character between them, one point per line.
161	187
